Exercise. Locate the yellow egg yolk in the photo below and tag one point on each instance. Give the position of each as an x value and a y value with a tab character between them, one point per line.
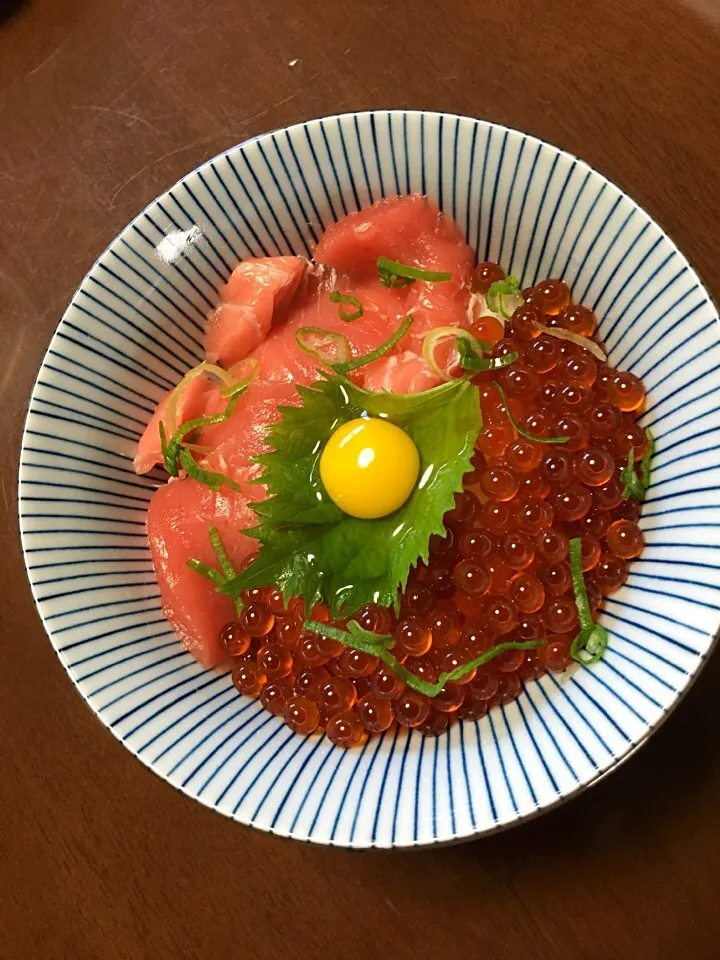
369	467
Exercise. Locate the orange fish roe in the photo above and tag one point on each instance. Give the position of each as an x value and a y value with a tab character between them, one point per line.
502	570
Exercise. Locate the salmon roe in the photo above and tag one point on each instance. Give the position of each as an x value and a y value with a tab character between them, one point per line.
501	572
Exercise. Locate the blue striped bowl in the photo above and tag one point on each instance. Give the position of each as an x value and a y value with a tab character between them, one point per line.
134	327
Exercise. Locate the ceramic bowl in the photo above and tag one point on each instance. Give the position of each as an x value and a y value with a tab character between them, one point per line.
134	327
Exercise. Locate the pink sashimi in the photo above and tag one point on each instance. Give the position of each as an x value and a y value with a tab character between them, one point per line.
179	515
256	291
410	230
243	435
404	372
269	306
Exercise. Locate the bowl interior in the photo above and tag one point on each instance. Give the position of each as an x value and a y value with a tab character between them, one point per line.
135	326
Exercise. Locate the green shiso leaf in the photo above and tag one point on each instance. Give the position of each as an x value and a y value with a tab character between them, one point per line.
309	548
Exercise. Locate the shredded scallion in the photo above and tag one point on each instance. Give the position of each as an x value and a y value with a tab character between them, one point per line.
171	448
344	298
210	573
434	337
362	361
498	291
378	645
633	487
394	274
327	347
207	477
516	425
585	342
469	360
647	459
239	377
592	638
217	577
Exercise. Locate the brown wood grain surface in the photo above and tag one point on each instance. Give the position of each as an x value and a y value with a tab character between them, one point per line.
104	104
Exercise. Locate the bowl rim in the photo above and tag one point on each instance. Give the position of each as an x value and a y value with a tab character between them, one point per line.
458	837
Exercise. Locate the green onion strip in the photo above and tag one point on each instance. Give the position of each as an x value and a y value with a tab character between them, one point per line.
469	359
497	291
647	459
217	577
516	425
344	298
633	486
377	645
171	448
207	477
327	347
221	553
375	354
471	346
592	638
394	274
210	573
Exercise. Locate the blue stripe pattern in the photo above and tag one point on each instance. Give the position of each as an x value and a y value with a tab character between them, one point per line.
135	326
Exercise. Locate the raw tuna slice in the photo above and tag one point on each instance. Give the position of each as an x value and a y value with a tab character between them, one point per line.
256	291
243	435
410	230
404	372
178	519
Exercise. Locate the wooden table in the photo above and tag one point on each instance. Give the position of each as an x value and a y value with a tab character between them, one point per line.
103	105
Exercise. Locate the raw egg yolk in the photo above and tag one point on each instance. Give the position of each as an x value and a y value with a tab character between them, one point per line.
369	467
